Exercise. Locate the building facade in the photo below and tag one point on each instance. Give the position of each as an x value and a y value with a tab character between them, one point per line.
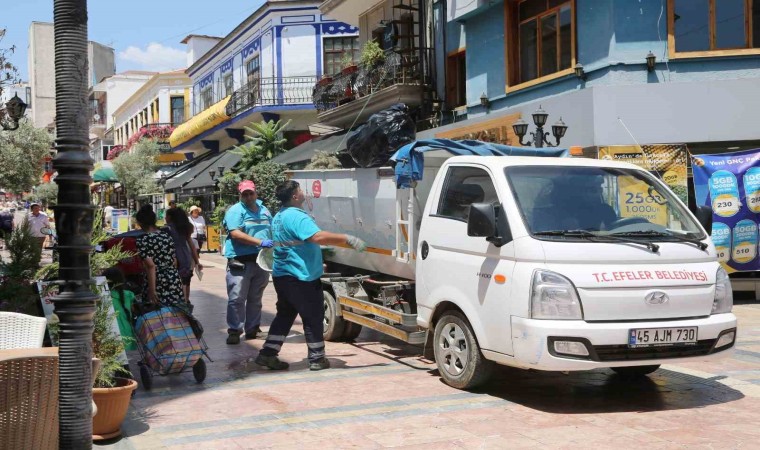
41	60
617	73
265	69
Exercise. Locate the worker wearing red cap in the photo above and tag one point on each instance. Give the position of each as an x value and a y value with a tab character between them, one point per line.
247	224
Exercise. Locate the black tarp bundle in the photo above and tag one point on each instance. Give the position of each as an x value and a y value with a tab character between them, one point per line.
372	144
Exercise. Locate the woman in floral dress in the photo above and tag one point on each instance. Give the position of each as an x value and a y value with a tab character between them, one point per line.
156	248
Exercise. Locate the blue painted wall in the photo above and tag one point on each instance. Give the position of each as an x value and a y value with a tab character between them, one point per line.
485	54
613	38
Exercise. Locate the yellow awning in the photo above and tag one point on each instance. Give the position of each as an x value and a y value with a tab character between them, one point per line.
206	120
170	157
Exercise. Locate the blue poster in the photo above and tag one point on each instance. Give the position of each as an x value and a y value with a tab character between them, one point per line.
729	183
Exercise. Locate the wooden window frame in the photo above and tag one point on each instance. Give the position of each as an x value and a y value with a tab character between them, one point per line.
455	54
172	109
673	54
340	39
512	46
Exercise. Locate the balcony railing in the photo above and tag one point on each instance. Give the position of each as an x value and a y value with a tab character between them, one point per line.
271	92
399	67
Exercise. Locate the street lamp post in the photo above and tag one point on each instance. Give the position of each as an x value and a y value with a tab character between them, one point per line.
539	137
75	301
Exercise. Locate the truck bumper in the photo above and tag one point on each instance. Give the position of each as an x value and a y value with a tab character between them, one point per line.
607	343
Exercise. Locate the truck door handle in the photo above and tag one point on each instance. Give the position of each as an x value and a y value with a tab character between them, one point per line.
425	249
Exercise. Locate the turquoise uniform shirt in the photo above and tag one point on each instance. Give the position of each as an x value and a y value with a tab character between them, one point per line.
256	224
293	255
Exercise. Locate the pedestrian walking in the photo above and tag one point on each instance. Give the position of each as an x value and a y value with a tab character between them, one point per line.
199	227
180	229
296	274
162	284
37	221
247	224
6	225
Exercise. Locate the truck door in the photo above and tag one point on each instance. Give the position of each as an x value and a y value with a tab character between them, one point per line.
469	271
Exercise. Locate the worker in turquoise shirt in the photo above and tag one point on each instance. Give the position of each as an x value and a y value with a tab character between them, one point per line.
247	223
296	274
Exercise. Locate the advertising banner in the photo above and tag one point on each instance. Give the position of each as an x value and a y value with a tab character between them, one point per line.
729	183
667	161
120	220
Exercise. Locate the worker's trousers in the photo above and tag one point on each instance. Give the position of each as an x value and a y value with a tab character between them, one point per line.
296	297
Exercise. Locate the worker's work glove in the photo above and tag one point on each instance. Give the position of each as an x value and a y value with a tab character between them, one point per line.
267	243
356	243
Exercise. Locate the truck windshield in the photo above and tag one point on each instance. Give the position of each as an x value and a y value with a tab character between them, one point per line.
559	202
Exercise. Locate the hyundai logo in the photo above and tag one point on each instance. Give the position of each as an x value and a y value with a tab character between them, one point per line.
656	298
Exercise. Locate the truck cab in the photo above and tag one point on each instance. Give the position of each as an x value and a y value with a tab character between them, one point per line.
565	264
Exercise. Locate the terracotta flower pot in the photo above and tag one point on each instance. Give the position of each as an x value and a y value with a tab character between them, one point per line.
112	406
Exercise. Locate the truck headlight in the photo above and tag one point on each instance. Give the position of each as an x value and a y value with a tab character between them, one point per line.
554	297
724	295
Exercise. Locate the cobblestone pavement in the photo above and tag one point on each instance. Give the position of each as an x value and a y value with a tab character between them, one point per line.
382	393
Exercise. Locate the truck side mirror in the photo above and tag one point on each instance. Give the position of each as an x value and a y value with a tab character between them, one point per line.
481	222
705	217
487	220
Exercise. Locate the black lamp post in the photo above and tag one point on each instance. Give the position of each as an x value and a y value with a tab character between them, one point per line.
539	137
14	111
75	301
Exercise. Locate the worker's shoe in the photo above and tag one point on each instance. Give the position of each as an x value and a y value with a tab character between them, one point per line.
233	338
321	363
272	362
255	334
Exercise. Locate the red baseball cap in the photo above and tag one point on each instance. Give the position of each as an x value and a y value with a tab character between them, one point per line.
246	185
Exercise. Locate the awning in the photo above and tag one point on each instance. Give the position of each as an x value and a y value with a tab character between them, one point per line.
227	159
332	144
211	117
192	170
105	174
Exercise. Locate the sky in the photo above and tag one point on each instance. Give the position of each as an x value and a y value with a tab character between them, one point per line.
145	34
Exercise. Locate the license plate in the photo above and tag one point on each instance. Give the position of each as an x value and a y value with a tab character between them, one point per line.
654	337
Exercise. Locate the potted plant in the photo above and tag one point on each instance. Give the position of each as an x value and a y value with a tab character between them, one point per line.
372	55
111	394
348	64
325	80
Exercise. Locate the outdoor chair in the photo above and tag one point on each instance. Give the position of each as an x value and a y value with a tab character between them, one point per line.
29	398
21	331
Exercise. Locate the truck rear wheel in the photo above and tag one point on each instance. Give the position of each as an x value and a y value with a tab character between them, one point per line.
351	330
333	325
457	353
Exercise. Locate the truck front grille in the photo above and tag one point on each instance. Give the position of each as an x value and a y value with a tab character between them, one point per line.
623	353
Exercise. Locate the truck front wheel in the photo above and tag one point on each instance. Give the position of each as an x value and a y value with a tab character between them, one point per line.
332	324
635	371
457	353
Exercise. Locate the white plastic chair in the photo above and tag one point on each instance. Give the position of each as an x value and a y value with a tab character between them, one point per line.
21	331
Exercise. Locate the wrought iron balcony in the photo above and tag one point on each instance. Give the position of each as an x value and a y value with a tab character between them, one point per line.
271	92
400	67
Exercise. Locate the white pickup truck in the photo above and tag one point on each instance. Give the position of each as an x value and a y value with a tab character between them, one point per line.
538	263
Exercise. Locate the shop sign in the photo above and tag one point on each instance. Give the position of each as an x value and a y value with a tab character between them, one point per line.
667	161
497	131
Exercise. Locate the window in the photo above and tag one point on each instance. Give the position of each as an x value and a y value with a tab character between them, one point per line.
227	82
207	97
252	71
730	26
456	80
540	39
178	110
463	187
334	48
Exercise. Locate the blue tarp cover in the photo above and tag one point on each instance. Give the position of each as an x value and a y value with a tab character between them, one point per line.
410	162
